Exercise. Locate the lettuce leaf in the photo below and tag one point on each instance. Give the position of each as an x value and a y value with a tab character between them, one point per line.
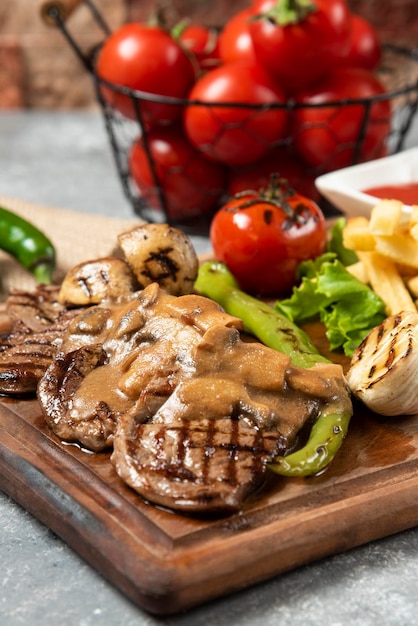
348	309
336	244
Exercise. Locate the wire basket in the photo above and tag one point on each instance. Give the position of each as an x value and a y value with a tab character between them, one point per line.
398	73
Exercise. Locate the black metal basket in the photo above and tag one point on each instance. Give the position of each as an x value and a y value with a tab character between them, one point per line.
399	72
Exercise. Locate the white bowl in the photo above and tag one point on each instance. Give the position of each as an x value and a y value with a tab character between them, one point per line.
343	188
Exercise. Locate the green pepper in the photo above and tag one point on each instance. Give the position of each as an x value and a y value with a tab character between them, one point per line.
325	439
272	328
260	319
28	245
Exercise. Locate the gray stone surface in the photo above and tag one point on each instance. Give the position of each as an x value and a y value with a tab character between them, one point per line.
63	160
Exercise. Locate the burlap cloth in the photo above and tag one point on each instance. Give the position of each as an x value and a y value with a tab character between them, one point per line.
76	236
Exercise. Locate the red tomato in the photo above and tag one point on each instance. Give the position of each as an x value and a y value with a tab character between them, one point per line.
203	42
327	136
148	59
280	161
365	49
298	54
262	239
191	184
235	42
235	135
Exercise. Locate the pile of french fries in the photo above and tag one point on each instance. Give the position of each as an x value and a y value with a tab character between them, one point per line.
386	245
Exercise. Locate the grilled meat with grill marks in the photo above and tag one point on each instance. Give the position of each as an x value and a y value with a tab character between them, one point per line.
193	411
57	389
33	311
146	339
198	465
207	447
37	325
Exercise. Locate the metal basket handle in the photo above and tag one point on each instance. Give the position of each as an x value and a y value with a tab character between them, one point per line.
61	8
56	13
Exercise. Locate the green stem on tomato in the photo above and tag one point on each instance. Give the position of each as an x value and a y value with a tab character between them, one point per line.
178	29
215	281
287	12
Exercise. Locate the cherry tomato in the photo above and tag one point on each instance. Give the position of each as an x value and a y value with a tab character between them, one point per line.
298	53
148	59
263	237
235	42
327	136
280	161
191	184
203	42
235	135
365	49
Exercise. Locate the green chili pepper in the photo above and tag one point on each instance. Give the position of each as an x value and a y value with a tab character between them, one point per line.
215	281
260	319
325	439
28	245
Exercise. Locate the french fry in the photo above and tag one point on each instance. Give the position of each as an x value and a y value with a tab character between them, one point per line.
414	232
401	249
356	234
406	271
414	215
412	284
387	248
358	270
385	217
386	281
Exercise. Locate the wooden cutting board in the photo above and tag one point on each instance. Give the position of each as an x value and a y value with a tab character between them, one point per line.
165	562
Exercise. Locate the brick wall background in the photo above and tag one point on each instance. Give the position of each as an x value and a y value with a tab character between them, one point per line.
38	69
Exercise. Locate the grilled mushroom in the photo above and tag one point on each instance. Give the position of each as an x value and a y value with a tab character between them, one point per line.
93	281
163	254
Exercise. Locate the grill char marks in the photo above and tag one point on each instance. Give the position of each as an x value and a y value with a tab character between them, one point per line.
57	389
383	368
146	339
197	465
194	413
33	311
207	446
38	323
23	363
382	349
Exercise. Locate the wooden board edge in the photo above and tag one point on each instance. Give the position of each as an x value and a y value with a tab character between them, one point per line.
170	580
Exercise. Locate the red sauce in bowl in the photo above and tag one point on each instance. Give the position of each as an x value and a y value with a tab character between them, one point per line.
404	192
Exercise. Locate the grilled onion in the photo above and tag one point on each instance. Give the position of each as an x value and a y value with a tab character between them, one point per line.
383	370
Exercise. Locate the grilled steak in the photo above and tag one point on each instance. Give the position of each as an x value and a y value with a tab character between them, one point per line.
38	323
207	447
146	340
198	465
57	389
193	411
33	311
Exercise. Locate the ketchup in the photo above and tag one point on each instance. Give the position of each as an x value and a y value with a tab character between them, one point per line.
404	192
